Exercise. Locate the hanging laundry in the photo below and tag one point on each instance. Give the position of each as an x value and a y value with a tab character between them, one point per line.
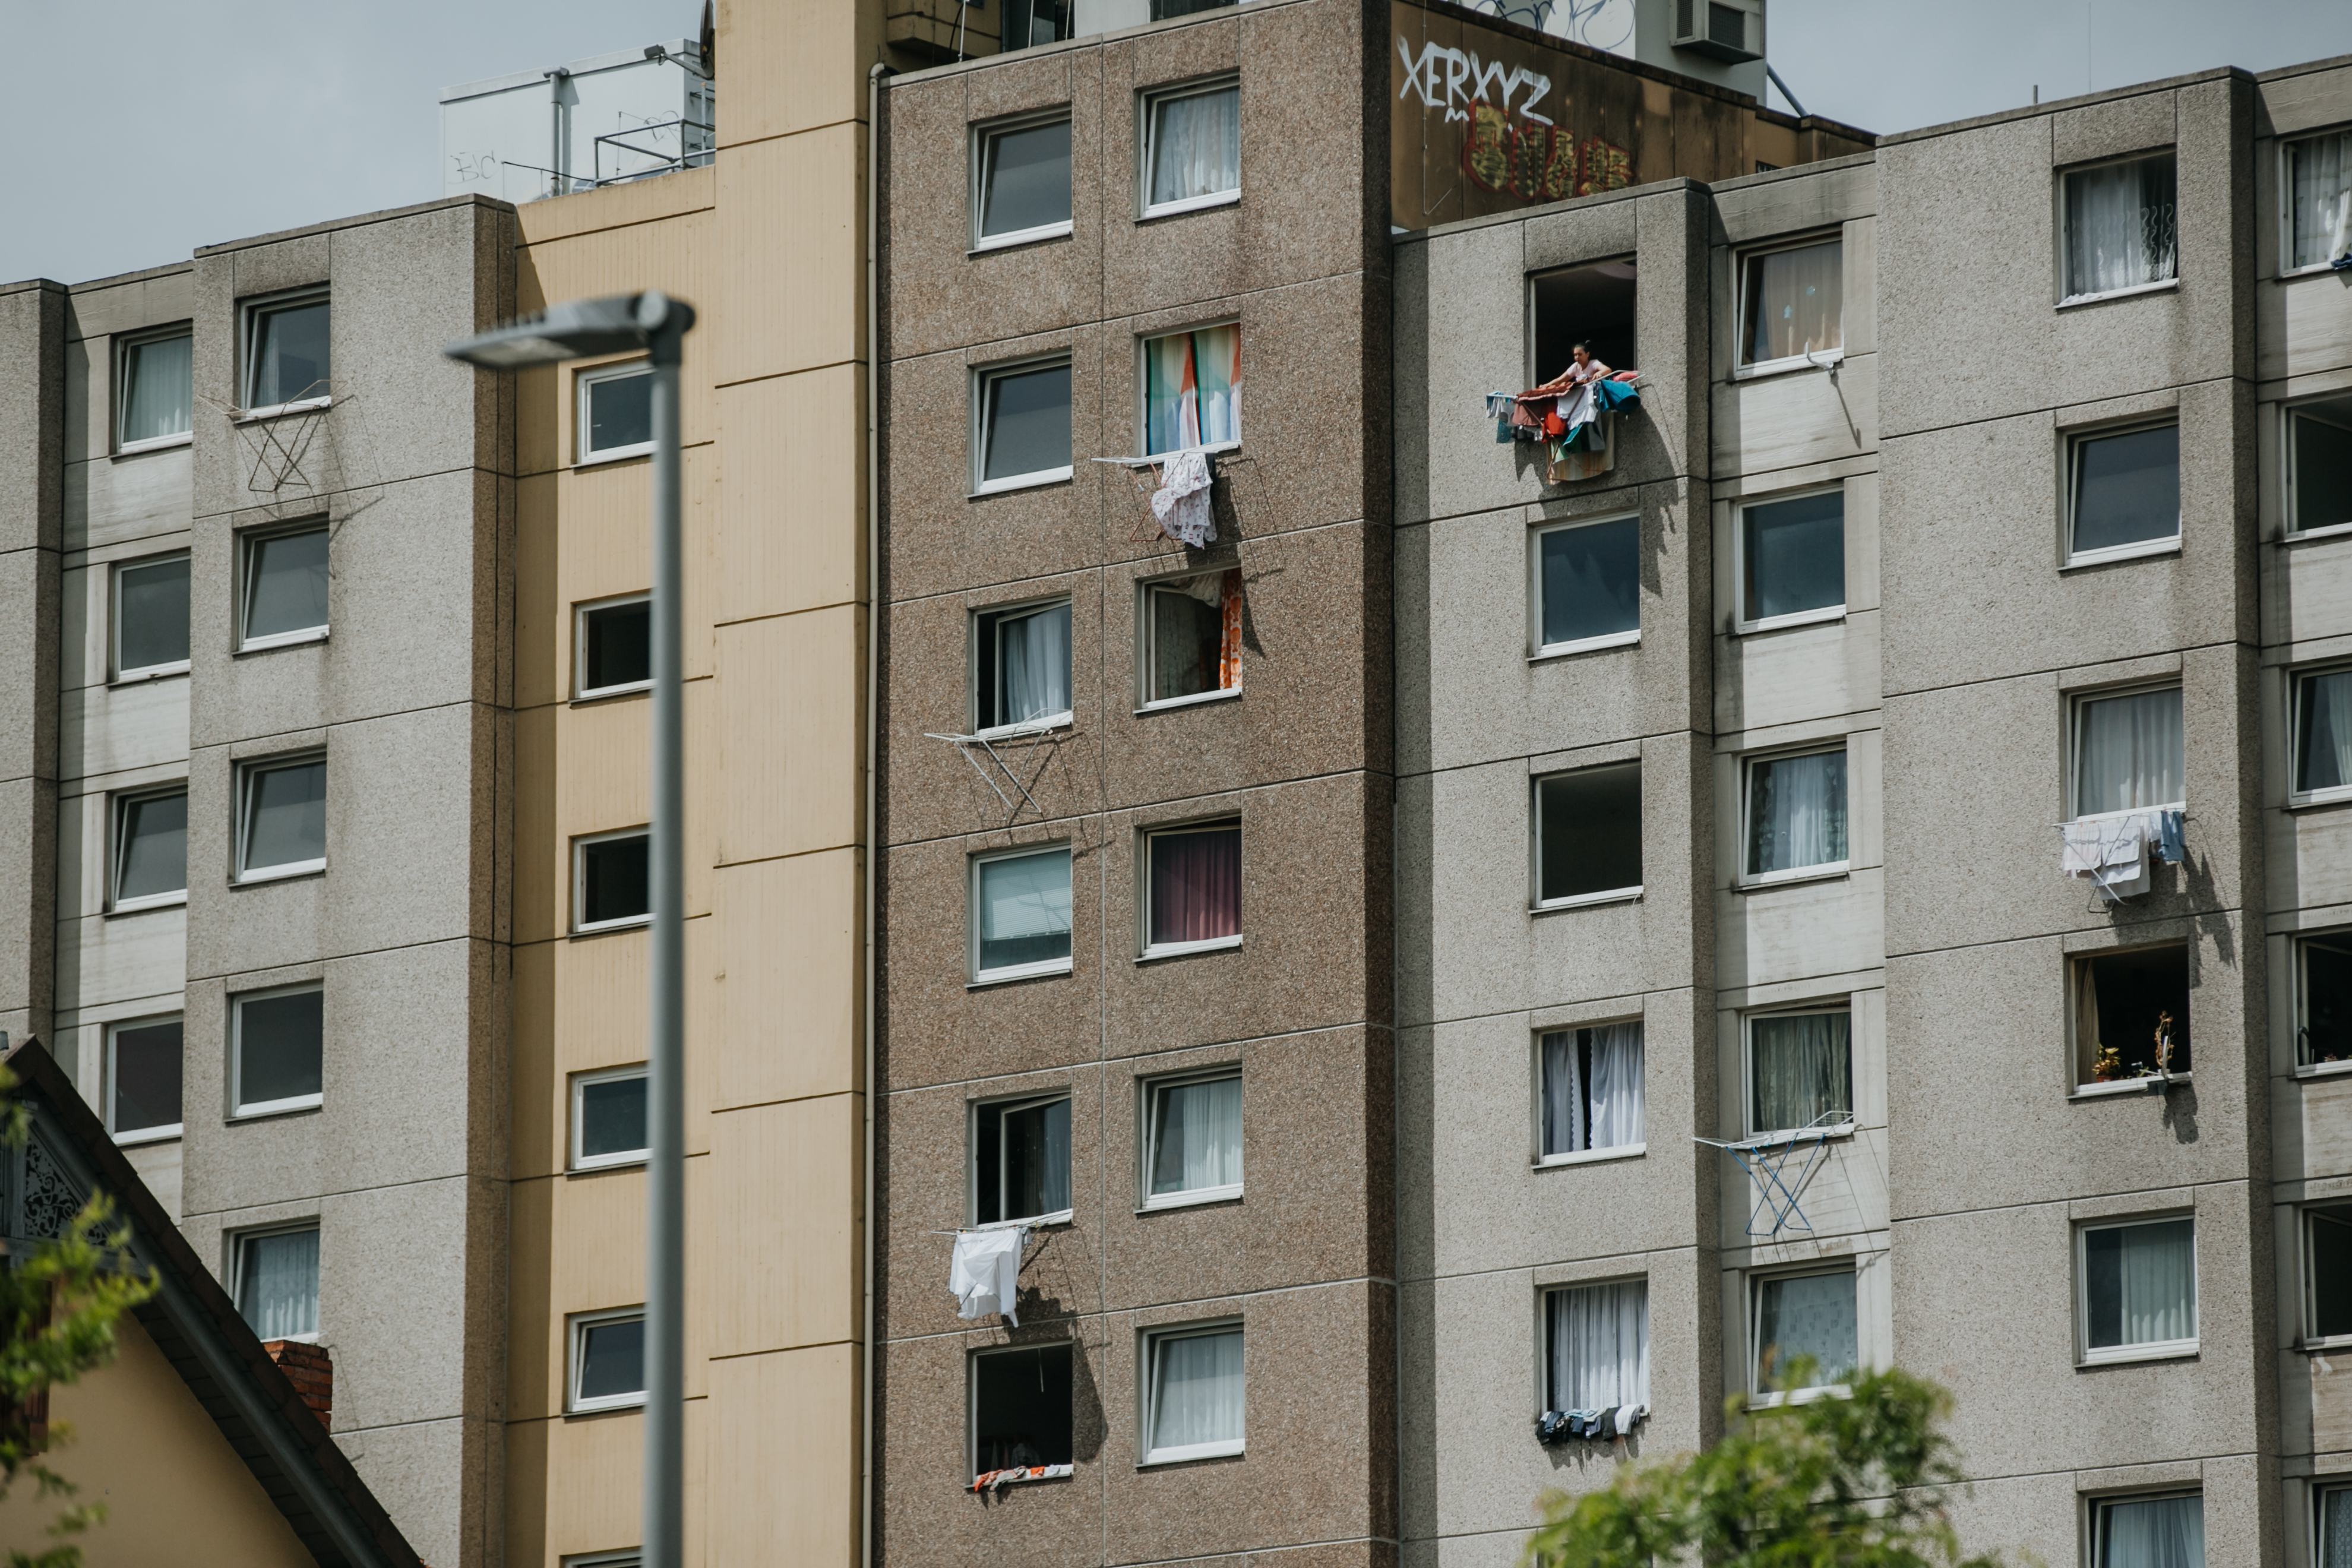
1182	502
989	1481
2169	847
2111	851
985	1275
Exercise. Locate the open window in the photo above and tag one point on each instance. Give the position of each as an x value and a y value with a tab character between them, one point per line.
151	617
1192	1140
142	1080
2319	466
1022	435
607	1361
1796	807
616	417
2322	727
612	880
1020	918
1800	1070
277	1273
1792	305
1192	889
1801	1316
1590	1094
2128	753
1192	390
1594	305
281	818
285	362
1020	1408
2138	1288
1193	1393
1588	586
151	850
1597	1346
282	586
613	647
2131	1015
1191	638
1021	1160
1021	668
1789	559
2123	493
2322	997
608	1118
1192	148
277	1049
2121	228
1587	837
154	398
2149	1531
2319	202
1021	181
2328	1273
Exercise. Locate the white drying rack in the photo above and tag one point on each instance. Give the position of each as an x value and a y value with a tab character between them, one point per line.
1765	1158
1034	735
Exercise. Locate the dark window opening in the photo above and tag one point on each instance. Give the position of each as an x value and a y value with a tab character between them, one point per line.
1588	832
1161	10
2325	1031
146	1080
2331	1272
613	1117
614	880
2133	1008
620	646
1029	22
1591	304
1020	1408
2319	464
1022	1160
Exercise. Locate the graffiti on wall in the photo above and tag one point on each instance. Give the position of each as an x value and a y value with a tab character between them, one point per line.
1513	146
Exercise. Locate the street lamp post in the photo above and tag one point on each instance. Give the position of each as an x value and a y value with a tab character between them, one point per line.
657	324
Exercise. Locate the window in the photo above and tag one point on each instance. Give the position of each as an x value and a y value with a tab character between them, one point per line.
605	1560
2324	998
1591	1093
1021	1160
278	1282
612	650
1024	426
1020	1408
2327	1274
1792	304
2148	1532
1592	305
1807	1317
2131	1013
281	818
2319	202
142	1080
1192	390
1021	669
151	850
615	418
2323	735
1192	1394
284	585
608	1118
1021	914
1589	836
1192	148
1598	1338
1194	879
286	358
1029	22
611	881
277	1049
1796	815
1192	1140
150	618
2139	1289
2335	1522
154	398
1588	582
2128	753
608	1359
2119	228
1023	183
1192	638
1791	560
1800	1070
2319	467
2124	493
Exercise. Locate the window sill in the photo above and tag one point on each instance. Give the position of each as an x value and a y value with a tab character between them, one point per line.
2331	531
590	1167
156	444
2072	301
1034	1222
1005	976
1191	204
605	1407
614	455
1022	1475
2313	269
1827	871
148	1135
1584	645
2323	1343
2319	797
1037	726
282	639
269	1107
1187	949
1189	1452
151	673
607	693
1836	1129
1781	623
1037	480
279	873
1592	1156
2323	1070
1828	359
2150	1084
2167	1350
1799	1396
1192	1199
1586	900
178	900
2137	551
1044	231
1223	694
274	410
600	928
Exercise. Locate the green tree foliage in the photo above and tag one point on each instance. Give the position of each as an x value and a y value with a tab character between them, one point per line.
1858	1482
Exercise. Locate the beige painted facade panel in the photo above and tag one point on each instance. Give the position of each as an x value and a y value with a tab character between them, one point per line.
791	1001
780	1230
794	50
784	1487
792	499
601	213
791	208
789	693
573	1485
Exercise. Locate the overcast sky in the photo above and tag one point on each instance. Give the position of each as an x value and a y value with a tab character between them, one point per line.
143	129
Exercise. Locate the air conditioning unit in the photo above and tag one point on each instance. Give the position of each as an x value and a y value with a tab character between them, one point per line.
1720	29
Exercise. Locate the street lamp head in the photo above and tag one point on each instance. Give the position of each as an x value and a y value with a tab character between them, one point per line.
579	329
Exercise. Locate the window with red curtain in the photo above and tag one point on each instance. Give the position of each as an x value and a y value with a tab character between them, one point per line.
1196	885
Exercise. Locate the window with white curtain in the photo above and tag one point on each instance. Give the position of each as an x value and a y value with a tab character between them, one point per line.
1587	837
1799	1069
2323	735
1796	815
1192	390
2149	1531
1807	1317
1792	303
1588	586
278	1282
1790	561
1191	1140
1024	427
2324	998
2124	493
2128	753
2319	467
1598	1343
2326	1273
1022	181
2331	1510
1589	1087
2319	201
1192	148
1021	1158
1020	666
2138	1288
154	399
2121	232
1192	1392
1021	914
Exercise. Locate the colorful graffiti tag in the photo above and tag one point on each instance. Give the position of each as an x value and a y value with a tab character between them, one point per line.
1538	161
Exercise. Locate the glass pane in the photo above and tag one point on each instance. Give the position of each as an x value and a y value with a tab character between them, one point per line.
2335	1528
1028	422
289	354
154	846
1020	1408
1796	813
1796	303
1033	664
1589	831
285	583
2130	754
1027	179
1801	1068
620	646
612	1117
150	611
1036	1159
1812	1315
2140	1281
1795	553
286	815
2119	226
1196	145
158	390
2127	487
146	1091
279	1045
1024	909
2323	473
1196	1390
2328	1000
1029	22
2323	752
1192	389
1196	1136
1591	580
612	1358
615	882
2331	1273
1196	885
2322	198
1599	1346
277	1284
2152	1532
620	412
1188	638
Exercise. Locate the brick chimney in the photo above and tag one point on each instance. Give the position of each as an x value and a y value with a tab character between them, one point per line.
311	1372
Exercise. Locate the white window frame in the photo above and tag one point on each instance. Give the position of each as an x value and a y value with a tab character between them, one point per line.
985	623
239	1109
971	917
982	398
1825	359
1540	1161
248	562
971	1404
580	610
582	382
2095	1513
2298	948
123	343
2295	675
1758	1395
126	676
1147	1360
2288	415
580	844
1146	139
2076	439
633	1558
2079	973
2286	187
1145	948
239	1240
247	772
2316	1522
1143	343
1740	624
1536	902
575	1337
984	150
578	1097
2154	1350
1747	1070
1147	649
998	1107
1147	1142
2307	1316
1826	869
2078	704
119	811
249	313
157	1134
1541	650
2064	252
